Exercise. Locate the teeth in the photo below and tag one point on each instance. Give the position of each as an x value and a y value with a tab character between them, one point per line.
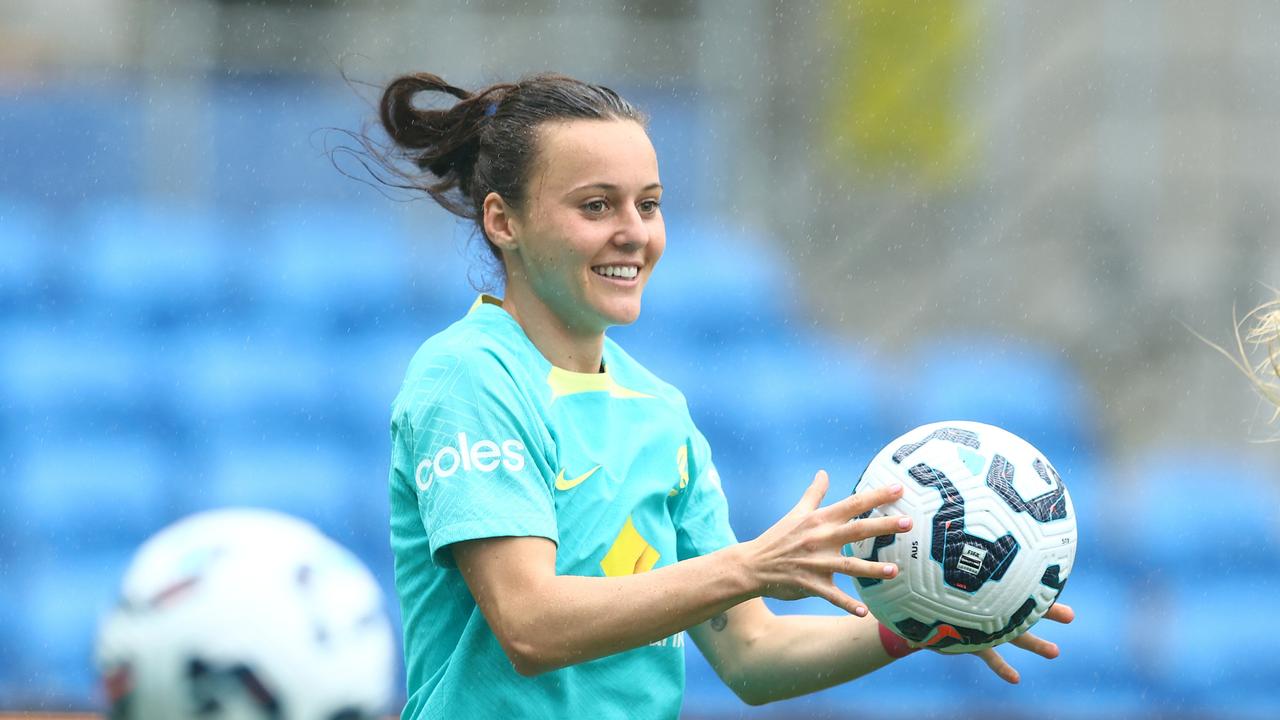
619	271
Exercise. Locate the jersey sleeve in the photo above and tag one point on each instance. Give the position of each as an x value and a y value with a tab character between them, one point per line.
701	513
478	454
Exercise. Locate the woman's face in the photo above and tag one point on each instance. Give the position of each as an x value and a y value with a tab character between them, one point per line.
591	231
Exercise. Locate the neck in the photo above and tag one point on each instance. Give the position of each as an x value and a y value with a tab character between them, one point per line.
558	341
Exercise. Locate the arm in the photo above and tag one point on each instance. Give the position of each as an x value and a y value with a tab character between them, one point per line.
546	621
764	657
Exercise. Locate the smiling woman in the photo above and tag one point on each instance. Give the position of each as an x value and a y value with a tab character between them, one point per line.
578	256
556	519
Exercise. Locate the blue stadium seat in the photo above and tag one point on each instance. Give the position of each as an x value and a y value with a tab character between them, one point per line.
272	150
63	599
801	391
80	372
87	132
1025	390
365	525
777	412
1211	644
704	693
717	287
153	262
299	476
11	671
1097	665
368	535
89	489
1198	508
328	266
448	263
255	375
686	151
25	236
371	371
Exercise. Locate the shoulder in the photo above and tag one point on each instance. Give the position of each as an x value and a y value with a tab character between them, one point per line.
630	373
473	354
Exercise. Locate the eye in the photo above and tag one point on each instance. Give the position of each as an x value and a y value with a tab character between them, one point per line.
595	207
649	207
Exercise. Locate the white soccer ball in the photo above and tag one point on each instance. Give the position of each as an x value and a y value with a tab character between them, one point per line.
992	541
246	614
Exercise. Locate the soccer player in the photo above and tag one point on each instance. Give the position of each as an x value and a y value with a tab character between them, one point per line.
556	519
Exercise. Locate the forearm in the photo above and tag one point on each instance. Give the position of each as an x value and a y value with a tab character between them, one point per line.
570	619
799	654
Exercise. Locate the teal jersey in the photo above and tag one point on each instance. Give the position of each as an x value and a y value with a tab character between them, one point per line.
490	440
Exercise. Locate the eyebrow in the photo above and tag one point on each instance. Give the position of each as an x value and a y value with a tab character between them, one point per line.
612	188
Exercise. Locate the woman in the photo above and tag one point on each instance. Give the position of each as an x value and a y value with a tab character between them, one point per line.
557	521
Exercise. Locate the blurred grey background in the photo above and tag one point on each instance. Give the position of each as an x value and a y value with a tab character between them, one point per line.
879	214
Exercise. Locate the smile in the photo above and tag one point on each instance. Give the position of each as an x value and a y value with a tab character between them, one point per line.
617	272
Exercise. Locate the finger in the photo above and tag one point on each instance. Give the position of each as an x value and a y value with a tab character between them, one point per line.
857	567
872	527
1002	669
858	503
1039	646
840	599
813	495
1059	612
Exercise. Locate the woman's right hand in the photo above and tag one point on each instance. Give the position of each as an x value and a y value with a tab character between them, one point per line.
800	554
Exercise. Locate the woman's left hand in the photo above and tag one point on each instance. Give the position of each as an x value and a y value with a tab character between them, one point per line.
1045	649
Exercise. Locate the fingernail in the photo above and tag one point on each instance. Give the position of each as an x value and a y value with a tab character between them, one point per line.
889	570
904	522
860	611
896	487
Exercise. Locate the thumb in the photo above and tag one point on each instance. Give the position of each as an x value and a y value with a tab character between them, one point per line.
813	495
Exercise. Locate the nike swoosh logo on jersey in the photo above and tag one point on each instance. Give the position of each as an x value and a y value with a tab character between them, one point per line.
562	484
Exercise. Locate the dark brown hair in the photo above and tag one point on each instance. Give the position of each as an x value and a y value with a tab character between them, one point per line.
485	142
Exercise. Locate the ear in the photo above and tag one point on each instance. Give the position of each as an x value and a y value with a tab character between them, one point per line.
500	223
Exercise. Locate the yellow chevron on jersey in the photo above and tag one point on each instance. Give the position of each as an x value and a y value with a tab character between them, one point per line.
564	383
630	553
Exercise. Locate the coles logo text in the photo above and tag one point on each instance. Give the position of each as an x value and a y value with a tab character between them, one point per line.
482	456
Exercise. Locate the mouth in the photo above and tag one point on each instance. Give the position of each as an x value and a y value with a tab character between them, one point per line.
624	275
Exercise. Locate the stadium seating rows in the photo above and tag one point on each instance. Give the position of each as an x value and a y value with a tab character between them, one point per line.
158	358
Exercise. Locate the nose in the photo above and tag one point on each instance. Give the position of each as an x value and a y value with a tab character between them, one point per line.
632	231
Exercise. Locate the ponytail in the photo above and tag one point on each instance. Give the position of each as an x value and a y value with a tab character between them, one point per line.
483	143
444	143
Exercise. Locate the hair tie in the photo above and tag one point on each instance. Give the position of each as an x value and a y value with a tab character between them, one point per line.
491	110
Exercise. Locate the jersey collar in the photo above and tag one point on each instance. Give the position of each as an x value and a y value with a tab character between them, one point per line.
567	382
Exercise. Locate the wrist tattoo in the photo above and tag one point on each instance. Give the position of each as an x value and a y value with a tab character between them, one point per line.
718	622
